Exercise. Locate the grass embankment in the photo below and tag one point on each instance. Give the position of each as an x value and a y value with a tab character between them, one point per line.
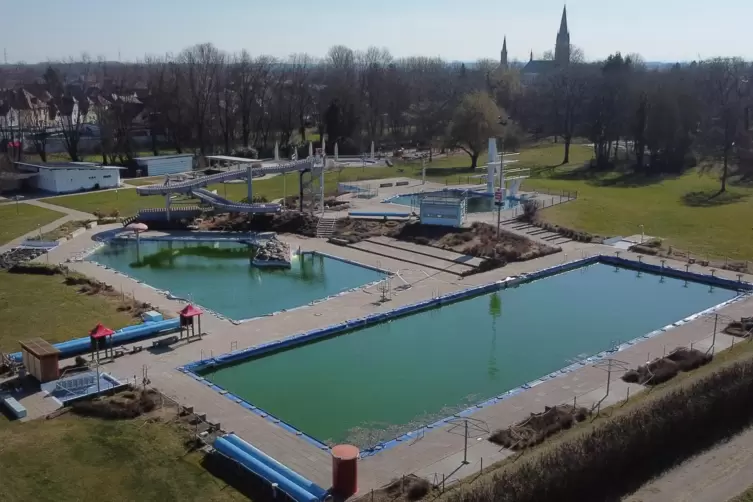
43	306
71	458
126	202
16	220
700	401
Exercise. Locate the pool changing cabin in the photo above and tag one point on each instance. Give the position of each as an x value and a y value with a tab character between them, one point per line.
447	209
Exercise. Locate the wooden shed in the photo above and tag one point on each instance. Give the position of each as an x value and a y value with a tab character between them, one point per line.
40	359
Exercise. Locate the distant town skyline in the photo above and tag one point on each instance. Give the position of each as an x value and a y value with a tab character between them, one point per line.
668	30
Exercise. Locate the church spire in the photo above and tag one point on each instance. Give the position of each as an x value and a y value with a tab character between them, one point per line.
503	55
562	48
563	22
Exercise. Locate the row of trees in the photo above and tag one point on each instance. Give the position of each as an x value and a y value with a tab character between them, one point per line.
208	100
663	120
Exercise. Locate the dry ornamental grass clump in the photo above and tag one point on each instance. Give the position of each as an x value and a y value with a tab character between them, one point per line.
665	368
539	426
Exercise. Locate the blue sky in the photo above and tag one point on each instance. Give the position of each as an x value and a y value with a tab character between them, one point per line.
660	30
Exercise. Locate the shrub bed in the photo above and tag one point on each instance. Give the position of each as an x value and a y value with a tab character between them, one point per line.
534	429
129	404
37	269
665	368
617	457
741	328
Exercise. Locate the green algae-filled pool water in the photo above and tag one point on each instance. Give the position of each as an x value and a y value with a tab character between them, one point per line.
219	275
375	383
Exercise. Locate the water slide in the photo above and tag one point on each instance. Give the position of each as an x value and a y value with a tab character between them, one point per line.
229	206
290	482
196	187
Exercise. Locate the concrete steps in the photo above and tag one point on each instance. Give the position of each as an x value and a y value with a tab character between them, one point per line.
325	227
411	258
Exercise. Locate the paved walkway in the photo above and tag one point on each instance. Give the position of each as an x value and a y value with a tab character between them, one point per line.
716	475
438	451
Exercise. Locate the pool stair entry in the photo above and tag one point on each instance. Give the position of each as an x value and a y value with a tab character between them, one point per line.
79	386
273	472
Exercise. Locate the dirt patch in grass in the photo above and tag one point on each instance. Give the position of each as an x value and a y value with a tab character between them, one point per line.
128	404
665	368
539	426
63	230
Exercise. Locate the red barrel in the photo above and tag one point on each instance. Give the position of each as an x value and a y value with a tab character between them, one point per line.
345	470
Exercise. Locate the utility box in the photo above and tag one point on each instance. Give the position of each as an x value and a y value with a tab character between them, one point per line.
40	359
151	316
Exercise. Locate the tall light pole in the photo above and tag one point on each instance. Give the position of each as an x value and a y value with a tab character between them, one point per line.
501	201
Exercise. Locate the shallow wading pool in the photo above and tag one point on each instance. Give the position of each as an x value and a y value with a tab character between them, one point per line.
375	383
220	277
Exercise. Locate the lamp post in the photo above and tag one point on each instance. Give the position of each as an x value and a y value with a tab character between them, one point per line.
500	202
642	233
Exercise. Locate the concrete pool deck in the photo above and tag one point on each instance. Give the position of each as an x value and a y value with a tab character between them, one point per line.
376	203
439	451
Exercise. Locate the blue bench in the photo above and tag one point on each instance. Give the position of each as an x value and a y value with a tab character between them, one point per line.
14	406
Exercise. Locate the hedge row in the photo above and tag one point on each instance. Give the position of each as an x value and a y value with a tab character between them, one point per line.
619	456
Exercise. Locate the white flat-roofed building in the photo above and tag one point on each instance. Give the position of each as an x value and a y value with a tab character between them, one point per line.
71	177
165	164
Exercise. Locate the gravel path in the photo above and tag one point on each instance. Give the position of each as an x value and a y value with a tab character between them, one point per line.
716	475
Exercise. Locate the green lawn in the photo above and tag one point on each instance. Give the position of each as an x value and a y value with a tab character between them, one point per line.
679	209
40	305
16	220
126	202
69	458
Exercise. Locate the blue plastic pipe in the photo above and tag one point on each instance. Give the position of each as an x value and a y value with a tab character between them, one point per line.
265	459
296	492
82	345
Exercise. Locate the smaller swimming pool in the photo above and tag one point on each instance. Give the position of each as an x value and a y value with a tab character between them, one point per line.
477	202
73	387
220	276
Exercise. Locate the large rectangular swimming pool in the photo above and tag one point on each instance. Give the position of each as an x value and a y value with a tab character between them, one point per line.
387	379
219	275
